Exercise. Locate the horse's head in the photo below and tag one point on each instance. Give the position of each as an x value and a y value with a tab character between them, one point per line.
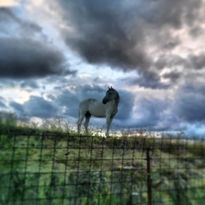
111	94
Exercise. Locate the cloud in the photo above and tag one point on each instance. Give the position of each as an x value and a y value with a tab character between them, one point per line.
18	108
29	84
189	104
12	25
23	58
35	107
8	3
173	76
70	101
102	34
170	61
195	130
2	105
25	51
197	61
173	13
126	105
127	37
148	80
183	111
149	112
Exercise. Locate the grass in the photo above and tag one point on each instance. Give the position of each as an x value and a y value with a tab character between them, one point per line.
41	166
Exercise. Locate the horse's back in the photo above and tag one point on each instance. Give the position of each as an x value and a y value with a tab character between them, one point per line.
93	106
87	102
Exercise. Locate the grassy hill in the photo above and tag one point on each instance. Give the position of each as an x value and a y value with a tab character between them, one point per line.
54	167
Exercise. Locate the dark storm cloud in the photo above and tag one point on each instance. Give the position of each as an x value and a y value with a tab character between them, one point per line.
148	80
103	33
172	13
189	104
170	61
170	43
23	58
35	107
118	33
173	76
21	54
193	61
196	31
197	61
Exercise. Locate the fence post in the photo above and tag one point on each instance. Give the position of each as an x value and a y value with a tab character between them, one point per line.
149	179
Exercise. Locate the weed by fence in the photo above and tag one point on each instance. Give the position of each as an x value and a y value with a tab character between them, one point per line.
59	168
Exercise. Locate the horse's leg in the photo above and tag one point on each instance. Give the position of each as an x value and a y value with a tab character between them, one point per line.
80	119
87	119
108	123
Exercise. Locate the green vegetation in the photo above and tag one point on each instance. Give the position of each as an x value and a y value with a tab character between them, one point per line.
40	166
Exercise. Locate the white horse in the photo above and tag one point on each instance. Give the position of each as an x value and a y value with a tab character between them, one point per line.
107	108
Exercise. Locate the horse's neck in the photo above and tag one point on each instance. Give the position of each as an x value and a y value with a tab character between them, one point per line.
117	102
112	105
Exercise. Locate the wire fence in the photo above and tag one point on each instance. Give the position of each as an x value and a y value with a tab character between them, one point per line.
60	168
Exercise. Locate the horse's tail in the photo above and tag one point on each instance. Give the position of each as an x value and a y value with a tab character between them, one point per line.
79	111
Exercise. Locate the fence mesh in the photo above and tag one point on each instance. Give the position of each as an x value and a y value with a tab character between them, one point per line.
55	168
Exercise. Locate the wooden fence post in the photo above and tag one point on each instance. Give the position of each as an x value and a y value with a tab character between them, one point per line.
149	179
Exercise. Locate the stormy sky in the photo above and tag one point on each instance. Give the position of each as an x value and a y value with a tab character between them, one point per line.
55	53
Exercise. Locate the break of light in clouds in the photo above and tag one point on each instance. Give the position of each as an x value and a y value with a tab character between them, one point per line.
8	3
55	53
